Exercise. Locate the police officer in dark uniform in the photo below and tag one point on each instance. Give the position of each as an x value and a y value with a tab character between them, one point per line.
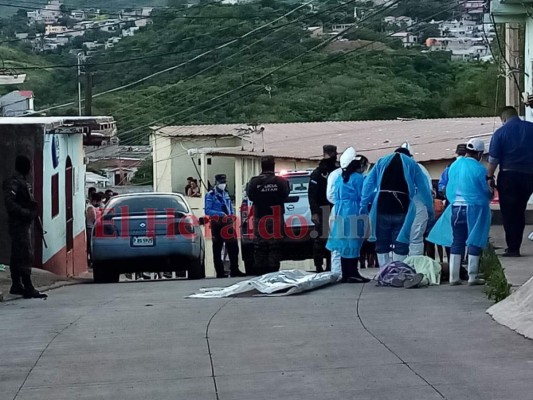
268	194
320	206
22	211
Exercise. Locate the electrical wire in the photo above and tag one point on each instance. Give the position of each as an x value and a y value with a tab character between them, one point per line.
249	33
193	76
343	55
502	54
320	45
332	9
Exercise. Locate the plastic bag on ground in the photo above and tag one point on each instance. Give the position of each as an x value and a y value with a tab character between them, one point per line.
395	271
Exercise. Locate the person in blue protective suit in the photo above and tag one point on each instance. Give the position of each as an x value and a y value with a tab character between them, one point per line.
348	230
390	188
467	221
460	151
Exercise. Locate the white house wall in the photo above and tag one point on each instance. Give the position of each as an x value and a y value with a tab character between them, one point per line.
162	149
68	145
182	166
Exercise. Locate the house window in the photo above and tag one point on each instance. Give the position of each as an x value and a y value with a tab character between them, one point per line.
54	195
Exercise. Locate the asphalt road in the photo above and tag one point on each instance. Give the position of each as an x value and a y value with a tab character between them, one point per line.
142	340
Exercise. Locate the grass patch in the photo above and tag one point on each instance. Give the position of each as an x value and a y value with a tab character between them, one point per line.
497	288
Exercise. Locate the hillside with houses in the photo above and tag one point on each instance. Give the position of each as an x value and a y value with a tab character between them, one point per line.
186	63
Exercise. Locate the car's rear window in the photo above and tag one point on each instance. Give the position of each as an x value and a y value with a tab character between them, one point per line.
299	184
140	204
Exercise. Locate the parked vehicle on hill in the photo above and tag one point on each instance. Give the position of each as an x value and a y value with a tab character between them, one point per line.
147	232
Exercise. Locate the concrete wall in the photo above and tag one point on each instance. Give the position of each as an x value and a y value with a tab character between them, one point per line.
13	104
435	168
162	149
14	140
183	165
68	146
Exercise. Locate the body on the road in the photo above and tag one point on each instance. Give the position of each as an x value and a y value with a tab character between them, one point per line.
268	193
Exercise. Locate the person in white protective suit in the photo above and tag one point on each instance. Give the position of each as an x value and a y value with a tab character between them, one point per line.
420	223
467	221
390	189
330	194
347	230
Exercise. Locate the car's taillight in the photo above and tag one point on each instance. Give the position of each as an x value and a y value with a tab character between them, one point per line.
244	210
185	226
104	230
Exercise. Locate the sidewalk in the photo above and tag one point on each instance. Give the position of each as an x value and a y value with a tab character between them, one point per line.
517	270
42	280
516	311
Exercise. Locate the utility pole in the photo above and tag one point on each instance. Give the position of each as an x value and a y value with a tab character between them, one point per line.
512	66
79	83
88	93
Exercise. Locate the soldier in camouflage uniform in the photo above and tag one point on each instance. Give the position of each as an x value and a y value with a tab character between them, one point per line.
22	211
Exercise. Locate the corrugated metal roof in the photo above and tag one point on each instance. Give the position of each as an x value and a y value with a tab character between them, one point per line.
431	139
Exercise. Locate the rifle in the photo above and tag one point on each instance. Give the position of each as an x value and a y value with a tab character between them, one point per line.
38	220
40	229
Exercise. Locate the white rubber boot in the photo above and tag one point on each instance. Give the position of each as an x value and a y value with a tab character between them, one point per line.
336	264
383	260
398	257
455	267
473	268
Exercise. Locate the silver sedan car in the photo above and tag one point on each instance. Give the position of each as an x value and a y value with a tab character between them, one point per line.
147	232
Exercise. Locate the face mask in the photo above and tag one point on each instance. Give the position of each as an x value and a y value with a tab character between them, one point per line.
221	186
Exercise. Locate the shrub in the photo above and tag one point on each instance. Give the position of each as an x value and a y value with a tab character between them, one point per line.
497	288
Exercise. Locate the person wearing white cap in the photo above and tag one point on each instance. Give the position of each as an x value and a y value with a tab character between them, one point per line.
467	221
390	189
346	236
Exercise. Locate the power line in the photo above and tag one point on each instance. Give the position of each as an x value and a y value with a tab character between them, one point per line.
321	44
283	80
126	21
502	53
121	14
294	75
185	62
332	9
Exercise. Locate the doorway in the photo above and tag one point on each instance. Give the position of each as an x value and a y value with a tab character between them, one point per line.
68	204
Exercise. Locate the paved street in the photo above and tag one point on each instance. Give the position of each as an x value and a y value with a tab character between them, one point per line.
144	340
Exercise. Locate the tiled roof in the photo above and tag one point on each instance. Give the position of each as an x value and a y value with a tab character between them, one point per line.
431	139
26	93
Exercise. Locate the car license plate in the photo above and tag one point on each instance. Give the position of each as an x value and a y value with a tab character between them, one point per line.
142	241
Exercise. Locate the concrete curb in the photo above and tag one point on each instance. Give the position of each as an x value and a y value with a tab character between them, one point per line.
56	285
